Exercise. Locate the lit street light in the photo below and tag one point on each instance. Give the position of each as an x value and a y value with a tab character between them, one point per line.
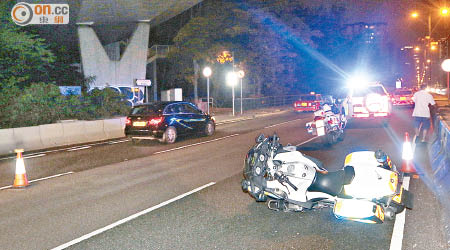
241	75
232	79
207	73
444	11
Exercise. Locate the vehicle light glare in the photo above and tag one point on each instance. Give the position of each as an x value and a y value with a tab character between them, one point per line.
407	153
358	81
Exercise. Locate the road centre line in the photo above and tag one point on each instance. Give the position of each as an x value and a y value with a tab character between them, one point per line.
131	217
235	120
284	123
114	142
33	156
41	179
306	141
399	225
195	144
79	148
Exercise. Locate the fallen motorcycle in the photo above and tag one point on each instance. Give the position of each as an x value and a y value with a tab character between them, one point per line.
365	190
327	125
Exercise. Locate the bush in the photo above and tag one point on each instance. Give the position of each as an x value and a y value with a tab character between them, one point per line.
42	103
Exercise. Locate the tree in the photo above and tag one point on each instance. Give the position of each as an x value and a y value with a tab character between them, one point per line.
24	57
264	36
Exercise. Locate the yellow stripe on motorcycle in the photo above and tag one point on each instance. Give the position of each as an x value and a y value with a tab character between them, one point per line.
393	181
379	213
398	198
348	158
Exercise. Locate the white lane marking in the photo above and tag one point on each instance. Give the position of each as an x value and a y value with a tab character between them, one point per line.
399	225
79	148
114	142
131	217
195	144
41	179
33	156
306	141
235	120
283	123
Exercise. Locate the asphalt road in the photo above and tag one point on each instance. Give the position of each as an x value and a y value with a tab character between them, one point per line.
110	182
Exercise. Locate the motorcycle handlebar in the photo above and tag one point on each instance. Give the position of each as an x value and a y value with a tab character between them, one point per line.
283	178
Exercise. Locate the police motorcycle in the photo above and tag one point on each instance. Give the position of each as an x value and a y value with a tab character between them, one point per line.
328	124
368	189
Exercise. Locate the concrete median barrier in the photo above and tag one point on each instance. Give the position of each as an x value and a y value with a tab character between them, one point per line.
7	142
113	128
52	135
74	132
28	138
95	130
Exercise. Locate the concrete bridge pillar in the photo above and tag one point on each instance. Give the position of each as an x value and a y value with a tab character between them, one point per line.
114	70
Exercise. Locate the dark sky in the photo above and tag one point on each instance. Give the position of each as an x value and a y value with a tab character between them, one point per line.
401	27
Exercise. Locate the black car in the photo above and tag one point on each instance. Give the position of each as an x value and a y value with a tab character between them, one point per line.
166	120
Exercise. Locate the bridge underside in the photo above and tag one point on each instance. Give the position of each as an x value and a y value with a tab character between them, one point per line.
101	24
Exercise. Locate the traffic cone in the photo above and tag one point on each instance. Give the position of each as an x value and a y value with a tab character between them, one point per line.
407	156
21	175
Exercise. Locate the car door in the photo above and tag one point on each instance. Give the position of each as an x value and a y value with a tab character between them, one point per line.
196	117
178	118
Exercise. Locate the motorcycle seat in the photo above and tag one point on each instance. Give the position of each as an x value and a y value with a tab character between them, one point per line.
332	182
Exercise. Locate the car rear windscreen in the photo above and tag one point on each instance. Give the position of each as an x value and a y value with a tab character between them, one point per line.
403	92
146	110
361	92
308	98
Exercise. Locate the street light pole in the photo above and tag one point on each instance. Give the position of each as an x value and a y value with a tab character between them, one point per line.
232	89
207	73
232	80
241	96
207	90
241	75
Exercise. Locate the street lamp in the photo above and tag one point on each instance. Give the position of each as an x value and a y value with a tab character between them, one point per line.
232	81
445	11
241	75
207	73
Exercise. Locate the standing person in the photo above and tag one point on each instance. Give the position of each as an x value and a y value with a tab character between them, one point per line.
421	113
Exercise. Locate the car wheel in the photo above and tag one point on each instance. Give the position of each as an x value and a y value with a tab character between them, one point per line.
170	135
209	128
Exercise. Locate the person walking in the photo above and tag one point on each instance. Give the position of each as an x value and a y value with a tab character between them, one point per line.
421	113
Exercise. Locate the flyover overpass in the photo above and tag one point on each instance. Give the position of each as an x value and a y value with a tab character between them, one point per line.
102	24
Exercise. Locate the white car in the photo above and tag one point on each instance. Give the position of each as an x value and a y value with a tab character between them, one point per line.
368	102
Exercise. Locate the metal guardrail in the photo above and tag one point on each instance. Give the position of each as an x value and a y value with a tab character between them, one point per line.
257	103
439	153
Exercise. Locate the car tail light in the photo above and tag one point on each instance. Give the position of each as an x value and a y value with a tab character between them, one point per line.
156	121
128	121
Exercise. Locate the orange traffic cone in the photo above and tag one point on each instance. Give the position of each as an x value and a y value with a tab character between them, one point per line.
407	156
21	175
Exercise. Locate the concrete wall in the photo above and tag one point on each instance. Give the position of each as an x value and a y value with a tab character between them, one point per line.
107	72
60	134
